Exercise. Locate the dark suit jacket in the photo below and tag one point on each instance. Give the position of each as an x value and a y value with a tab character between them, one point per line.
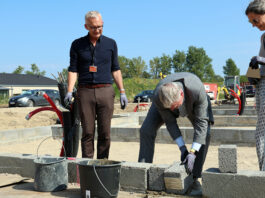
197	104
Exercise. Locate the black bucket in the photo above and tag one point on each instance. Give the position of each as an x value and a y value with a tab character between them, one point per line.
51	173
99	178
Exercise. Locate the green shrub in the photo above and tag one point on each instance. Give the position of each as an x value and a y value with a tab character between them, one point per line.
133	86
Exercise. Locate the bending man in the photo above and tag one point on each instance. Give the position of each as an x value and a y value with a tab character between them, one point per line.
181	94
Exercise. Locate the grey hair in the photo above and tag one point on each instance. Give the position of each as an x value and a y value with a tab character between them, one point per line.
169	93
256	7
92	14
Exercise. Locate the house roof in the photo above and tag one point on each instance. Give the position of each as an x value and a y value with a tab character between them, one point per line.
25	79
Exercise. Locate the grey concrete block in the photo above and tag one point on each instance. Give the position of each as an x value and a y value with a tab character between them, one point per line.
134	176
218	185
21	164
227	157
156	177
244	184
176	179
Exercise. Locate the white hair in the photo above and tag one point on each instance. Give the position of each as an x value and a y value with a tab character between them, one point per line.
169	93
92	14
256	6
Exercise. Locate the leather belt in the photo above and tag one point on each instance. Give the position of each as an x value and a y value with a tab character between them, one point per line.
93	86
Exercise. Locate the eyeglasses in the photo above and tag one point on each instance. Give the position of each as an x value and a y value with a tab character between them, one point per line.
94	28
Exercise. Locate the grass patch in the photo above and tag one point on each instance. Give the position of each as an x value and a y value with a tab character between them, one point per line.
134	86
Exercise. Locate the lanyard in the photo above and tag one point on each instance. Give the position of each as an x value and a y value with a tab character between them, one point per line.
92	51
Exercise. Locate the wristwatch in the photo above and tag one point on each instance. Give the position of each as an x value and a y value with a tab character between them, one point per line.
193	151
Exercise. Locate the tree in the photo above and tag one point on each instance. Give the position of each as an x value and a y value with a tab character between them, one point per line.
146	75
218	78
230	69
199	63
137	67
161	64
124	65
155	67
178	61
18	70
243	79
166	64
35	70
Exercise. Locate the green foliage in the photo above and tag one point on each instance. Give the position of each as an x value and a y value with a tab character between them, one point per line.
178	61
134	86
35	70
124	65
3	99
199	63
230	69
162	64
243	79
134	67
155	67
18	70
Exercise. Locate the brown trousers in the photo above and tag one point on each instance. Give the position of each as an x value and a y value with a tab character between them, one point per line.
96	104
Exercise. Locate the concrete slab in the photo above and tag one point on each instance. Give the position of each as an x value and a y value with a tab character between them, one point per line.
244	184
227	157
134	176
176	179
233	112
219	120
156	177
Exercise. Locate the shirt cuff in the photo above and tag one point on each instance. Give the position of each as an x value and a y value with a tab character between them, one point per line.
196	146
180	142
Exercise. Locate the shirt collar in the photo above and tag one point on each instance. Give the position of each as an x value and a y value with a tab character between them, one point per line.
99	39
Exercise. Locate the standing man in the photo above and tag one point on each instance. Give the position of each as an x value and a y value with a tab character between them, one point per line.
94	61
180	94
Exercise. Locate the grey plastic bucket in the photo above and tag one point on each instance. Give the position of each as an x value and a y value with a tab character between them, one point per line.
101	178
51	173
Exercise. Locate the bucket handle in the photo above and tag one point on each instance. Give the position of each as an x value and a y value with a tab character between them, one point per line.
112	195
44	141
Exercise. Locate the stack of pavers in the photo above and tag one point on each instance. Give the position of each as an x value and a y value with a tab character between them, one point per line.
227	181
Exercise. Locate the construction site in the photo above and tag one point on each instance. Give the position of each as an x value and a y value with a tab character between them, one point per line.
230	170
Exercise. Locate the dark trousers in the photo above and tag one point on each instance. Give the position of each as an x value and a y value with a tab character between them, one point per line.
96	104
148	132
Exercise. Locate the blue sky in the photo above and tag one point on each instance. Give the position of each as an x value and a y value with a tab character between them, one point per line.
41	32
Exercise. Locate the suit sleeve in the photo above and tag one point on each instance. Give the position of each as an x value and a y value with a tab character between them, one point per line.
201	118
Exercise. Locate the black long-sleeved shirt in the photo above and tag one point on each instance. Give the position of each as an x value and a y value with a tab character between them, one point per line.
105	58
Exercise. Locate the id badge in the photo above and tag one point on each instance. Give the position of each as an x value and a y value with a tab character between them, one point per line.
92	68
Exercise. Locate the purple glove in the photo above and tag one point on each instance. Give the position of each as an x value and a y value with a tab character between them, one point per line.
68	98
123	100
184	153
189	162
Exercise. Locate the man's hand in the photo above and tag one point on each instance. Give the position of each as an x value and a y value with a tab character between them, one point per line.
123	100
255	61
184	153
68	98
189	162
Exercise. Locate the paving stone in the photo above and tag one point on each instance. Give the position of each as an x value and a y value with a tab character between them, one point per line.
176	179
156	177
134	176
227	156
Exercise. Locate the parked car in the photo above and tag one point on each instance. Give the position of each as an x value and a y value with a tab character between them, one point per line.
144	96
250	90
34	97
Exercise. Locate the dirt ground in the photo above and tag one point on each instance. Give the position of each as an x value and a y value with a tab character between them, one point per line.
14	118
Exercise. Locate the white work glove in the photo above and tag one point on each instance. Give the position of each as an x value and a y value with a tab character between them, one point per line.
68	98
